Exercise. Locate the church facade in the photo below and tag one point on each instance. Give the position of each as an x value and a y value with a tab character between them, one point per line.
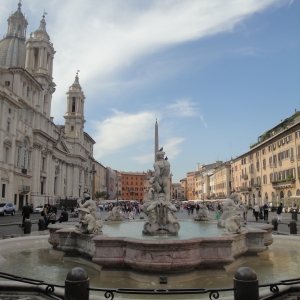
40	161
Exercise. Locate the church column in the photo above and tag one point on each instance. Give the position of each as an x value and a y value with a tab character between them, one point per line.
75	182
41	58
51	66
36	168
45	58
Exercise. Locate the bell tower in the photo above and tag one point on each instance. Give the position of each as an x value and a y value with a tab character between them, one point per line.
39	62
74	115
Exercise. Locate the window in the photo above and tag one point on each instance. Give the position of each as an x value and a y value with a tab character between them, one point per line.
18	156
265	179
43	163
6	155
263	151
24	154
297	134
73	104
72	128
8	126
27	92
7	83
15	199
3	190
42	187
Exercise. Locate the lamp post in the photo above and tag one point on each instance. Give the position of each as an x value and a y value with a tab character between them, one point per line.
202	192
118	180
93	172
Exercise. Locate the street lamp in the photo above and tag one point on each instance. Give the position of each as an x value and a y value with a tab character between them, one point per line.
117	183
202	192
93	172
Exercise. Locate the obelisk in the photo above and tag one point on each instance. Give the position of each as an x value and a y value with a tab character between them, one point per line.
156	141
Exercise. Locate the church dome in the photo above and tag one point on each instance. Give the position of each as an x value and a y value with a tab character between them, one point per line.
12	46
12	52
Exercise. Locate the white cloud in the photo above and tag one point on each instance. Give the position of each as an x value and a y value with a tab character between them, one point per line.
249	51
102	38
122	130
183	108
143	159
172	146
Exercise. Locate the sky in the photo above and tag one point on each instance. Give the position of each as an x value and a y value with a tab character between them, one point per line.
216	74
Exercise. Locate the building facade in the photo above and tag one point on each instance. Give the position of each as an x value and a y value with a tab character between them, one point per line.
39	161
133	185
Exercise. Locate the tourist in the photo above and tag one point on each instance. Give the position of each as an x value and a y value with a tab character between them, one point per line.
189	209
279	213
51	217
256	211
63	216
26	211
266	212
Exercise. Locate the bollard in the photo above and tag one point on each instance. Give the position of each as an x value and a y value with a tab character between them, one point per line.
77	284
27	226
41	224
245	284
293	227
295	214
275	224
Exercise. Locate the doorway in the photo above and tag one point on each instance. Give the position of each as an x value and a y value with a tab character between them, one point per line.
21	202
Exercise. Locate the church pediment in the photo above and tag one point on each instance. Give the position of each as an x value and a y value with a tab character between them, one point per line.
62	147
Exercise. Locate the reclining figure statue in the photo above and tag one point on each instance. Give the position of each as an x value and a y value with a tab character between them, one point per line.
89	222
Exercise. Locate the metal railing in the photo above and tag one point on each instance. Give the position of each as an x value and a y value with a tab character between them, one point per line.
110	293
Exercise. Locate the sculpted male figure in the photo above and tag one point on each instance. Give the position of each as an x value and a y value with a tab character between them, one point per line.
165	221
160	176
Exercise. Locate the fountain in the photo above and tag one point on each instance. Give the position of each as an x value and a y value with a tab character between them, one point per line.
162	248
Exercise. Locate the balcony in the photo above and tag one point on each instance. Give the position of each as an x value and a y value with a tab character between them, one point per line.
245	176
245	190
24	189
257	186
284	183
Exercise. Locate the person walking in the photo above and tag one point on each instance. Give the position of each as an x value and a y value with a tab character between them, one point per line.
26	211
279	213
256	211
266	212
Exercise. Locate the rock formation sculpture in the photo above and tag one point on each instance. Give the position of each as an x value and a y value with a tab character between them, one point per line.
114	215
203	214
89	222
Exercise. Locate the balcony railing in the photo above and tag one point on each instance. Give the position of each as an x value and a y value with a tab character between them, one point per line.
245	176
24	189
245	189
283	183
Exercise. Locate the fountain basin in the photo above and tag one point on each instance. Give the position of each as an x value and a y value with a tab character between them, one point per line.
167	255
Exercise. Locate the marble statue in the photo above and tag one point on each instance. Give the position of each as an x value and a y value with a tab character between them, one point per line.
114	215
157	205
203	214
234	224
89	222
160	177
231	208
161	219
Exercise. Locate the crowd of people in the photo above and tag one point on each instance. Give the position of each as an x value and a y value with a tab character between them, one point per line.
129	210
